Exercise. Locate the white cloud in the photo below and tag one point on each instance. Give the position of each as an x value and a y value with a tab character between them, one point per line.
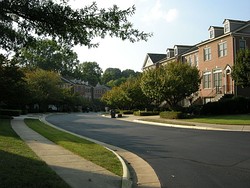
157	13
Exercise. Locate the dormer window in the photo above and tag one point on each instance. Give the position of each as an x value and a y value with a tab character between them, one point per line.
175	51
226	27
168	54
211	34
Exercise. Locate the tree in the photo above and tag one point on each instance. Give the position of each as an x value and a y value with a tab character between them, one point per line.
44	86
127	96
171	83
111	74
115	98
241	69
48	55
129	73
12	83
117	82
134	94
23	21
89	71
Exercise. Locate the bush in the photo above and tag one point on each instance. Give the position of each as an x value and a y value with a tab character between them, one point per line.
8	112
143	113
173	115
127	112
193	110
5	117
236	105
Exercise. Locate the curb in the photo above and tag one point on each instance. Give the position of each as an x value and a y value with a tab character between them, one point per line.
239	128
126	182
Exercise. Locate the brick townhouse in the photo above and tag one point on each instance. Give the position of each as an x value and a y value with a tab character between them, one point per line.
214	58
84	89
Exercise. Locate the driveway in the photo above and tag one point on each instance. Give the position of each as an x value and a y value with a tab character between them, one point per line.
180	157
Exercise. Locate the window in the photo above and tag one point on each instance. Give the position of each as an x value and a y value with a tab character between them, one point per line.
196	59
223	49
207	80
226	27
242	44
175	51
217	78
168	54
190	60
211	34
207	54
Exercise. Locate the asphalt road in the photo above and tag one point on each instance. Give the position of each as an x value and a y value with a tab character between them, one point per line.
182	158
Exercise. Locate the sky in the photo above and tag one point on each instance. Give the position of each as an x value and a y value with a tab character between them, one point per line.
172	22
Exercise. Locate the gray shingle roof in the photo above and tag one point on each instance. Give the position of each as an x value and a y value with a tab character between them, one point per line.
156	57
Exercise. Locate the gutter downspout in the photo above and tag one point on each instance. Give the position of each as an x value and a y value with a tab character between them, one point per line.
234	61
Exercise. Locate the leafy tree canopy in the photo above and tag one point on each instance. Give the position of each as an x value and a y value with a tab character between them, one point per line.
44	86
48	55
12	83
111	74
89	71
241	69
171	83
22	21
128	73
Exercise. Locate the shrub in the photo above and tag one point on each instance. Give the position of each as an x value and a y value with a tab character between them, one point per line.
143	113
236	105
127	112
172	115
8	112
5	117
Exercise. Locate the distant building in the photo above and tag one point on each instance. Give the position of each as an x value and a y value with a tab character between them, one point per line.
84	89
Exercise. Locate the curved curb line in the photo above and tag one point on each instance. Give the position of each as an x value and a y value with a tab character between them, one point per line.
206	128
126	182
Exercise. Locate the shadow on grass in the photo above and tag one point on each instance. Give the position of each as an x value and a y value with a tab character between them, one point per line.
20	171
23	172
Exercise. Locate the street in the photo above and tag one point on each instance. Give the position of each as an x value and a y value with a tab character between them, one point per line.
180	157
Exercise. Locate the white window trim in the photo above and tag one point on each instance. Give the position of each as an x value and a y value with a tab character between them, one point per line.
207	56
210	85
211	34
224	50
175	51
226	27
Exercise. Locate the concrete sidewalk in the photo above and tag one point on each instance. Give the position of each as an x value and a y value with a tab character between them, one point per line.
74	170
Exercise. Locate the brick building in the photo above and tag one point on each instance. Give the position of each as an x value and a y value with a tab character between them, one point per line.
214	58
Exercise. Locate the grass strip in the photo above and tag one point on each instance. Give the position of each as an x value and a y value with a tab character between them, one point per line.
243	119
84	148
20	166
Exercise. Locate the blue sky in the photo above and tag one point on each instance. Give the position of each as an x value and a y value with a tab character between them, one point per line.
183	22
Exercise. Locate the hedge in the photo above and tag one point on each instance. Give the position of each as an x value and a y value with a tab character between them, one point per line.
237	105
172	115
145	113
8	112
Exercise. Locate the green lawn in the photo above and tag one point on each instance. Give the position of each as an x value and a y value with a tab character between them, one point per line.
243	119
89	150
20	166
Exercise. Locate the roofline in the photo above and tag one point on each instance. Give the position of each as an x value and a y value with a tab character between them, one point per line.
241	21
214	39
188	53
